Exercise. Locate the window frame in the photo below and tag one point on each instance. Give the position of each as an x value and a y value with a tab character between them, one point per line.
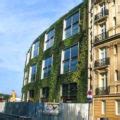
71	26
103	107
47	41
31	74
70	59
43	67
116	107
35	49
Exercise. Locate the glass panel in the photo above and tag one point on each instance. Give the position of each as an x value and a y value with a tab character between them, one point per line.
45	92
68	33
73	89
75	17
36	49
118	107
47	67
34	69
73	65
74	51
75	29
50	34
68	22
50	39
65	89
66	66
31	93
67	54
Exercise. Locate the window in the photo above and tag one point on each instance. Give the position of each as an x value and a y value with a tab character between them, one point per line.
45	92
69	92
70	59
103	31
49	39
116	75
25	77
115	49
102	8
118	107
71	25
27	58
35	49
103	107
46	67
103	53
31	93
103	81
33	71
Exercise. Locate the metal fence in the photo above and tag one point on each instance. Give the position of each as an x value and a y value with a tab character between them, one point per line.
30	111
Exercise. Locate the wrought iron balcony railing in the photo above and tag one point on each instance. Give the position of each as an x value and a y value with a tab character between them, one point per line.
102	62
101	15
101	37
97	1
102	91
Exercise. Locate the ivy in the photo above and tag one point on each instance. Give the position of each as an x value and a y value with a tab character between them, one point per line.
55	80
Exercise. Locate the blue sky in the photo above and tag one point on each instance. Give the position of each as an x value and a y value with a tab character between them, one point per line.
21	21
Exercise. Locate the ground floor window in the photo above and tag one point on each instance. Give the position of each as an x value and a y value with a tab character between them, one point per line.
45	93
31	93
69	92
118	107
103	107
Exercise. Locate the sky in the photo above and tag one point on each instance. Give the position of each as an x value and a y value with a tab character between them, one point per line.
21	22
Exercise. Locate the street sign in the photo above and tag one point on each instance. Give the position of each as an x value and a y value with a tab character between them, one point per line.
89	96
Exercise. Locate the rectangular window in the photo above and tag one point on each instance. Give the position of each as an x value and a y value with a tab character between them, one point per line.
35	49
103	107
103	31
25	77
115	49
70	60
49	39
45	92
69	92
103	82
31	93
71	26
118	107
116	75
103	53
33	71
46	67
27	58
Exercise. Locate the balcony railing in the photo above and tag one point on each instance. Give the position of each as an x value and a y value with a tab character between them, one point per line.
102	91
102	62
101	15
97	1
101	37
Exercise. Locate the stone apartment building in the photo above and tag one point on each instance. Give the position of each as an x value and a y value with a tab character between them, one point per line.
104	58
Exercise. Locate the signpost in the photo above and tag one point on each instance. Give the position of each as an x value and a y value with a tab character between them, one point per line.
89	97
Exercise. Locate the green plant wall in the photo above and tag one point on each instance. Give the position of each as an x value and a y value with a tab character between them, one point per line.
55	80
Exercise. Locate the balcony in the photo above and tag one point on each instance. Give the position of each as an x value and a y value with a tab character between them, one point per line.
98	1
102	62
102	91
101	16
101	37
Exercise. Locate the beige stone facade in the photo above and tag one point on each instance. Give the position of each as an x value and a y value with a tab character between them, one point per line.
104	58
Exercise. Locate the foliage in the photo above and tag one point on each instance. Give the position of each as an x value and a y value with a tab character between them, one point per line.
55	80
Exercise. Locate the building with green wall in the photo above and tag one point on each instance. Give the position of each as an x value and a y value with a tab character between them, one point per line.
56	62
